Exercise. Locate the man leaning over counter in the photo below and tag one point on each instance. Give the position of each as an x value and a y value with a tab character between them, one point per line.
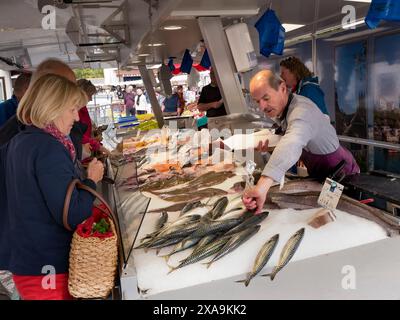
306	133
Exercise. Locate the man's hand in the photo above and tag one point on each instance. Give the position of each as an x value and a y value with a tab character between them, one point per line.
254	198
262	146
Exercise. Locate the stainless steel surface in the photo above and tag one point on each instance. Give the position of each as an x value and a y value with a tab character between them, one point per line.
223	64
152	96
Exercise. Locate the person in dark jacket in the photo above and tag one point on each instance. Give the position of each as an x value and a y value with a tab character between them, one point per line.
39	166
301	81
8	108
10	129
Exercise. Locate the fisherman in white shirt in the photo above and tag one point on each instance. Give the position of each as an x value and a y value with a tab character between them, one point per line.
306	133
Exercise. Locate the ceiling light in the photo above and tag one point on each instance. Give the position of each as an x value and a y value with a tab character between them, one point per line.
153	66
367	1
155	44
143	54
291	26
172	27
353	24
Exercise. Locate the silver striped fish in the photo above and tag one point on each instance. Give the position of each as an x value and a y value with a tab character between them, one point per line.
262	258
287	253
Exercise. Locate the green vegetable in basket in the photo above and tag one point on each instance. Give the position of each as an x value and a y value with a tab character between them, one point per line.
102	226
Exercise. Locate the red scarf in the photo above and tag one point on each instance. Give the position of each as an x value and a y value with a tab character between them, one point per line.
63	139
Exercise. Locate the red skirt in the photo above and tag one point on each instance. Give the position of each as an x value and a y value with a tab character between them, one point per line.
42	287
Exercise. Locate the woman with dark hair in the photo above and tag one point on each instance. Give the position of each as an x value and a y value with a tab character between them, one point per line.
300	80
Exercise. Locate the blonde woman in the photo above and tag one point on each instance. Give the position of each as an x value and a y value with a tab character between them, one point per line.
39	166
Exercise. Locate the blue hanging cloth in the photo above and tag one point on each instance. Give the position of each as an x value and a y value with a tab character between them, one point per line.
205	60
187	62
171	64
271	34
382	10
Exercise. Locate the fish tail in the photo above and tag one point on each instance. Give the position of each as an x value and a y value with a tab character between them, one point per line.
241	281
245	281
171	269
208	264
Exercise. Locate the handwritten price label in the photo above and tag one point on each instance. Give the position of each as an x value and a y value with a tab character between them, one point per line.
330	194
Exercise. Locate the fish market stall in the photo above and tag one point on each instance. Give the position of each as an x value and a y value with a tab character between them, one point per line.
151	192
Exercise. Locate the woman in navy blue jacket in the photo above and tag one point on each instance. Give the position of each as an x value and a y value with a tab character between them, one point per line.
301	81
40	163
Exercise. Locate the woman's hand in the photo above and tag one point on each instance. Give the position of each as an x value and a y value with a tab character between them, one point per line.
105	151
95	170
87	148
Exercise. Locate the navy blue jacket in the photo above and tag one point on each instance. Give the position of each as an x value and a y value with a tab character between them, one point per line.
12	127
38	169
309	87
8	108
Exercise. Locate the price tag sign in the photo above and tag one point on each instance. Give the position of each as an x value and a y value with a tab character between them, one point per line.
330	194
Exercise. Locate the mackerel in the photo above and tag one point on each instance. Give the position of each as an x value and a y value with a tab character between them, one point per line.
287	253
262	258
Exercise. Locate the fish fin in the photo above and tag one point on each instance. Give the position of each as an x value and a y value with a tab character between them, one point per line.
266	275
166	257
272	276
158	251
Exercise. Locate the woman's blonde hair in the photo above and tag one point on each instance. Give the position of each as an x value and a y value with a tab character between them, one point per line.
47	98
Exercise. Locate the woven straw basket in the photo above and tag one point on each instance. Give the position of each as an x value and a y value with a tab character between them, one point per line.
92	261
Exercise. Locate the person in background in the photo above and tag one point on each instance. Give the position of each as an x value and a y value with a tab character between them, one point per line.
306	135
301	81
160	97
140	102
182	102
119	92
89	143
38	169
8	108
173	102
211	100
129	100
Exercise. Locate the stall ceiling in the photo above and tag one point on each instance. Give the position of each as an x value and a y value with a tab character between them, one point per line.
23	40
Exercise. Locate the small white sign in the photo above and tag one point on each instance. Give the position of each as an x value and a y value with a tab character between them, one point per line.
330	194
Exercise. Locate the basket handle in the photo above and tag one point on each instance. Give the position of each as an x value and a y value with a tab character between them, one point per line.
67	201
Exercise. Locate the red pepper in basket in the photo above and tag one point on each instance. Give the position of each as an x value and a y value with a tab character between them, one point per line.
97	225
